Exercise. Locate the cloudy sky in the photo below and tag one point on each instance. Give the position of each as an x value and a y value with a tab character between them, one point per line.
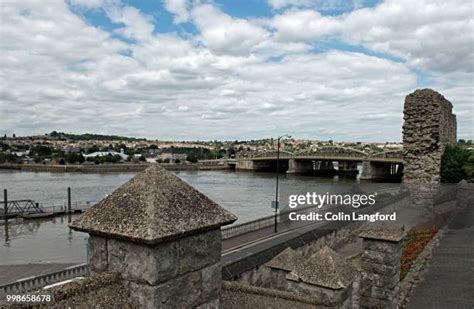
226	69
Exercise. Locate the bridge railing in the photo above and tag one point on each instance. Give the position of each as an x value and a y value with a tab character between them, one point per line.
329	152
395	154
37	282
329	155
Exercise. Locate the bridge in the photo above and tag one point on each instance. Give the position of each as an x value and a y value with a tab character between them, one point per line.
331	160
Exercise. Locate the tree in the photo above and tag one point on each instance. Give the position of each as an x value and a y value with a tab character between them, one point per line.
192	158
41	150
93	149
8	158
74	158
469	168
453	164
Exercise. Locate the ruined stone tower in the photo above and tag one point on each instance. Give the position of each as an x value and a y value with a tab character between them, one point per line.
429	125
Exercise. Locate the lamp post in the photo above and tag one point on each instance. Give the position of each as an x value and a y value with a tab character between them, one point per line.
277	171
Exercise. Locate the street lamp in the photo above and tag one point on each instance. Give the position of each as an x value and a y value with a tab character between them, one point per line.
277	170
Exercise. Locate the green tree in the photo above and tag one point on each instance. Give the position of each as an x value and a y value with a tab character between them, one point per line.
41	150
74	158
469	168
93	149
453	164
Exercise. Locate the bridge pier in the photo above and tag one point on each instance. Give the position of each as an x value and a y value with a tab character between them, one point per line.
299	167
262	165
324	168
244	165
381	171
347	168
312	167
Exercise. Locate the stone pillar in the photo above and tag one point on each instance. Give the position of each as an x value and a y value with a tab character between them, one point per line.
347	168
429	125
367	170
163	237
380	263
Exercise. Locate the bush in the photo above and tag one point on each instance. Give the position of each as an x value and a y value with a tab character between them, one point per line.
469	168
74	158
8	158
454	162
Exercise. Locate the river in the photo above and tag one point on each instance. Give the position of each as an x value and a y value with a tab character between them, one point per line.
247	195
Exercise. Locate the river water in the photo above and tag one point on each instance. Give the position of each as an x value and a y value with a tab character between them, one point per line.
247	195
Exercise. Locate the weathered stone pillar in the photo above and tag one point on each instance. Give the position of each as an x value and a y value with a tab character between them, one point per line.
380	262
162	236
429	125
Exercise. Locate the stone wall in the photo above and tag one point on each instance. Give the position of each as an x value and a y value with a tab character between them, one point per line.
429	125
185	272
259	275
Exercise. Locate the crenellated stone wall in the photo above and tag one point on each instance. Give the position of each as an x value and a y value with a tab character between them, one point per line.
429	125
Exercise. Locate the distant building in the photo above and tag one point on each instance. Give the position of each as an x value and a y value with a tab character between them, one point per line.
106	153
172	157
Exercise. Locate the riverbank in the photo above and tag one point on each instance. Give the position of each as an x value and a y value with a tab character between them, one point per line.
107	168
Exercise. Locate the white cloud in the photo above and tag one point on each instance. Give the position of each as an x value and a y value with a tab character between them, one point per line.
136	25
429	34
304	25
319	5
180	9
60	73
226	35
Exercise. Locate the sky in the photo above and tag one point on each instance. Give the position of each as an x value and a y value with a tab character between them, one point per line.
226	69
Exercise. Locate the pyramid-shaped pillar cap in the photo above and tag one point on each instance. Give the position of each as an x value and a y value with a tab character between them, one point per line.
325	268
286	260
152	207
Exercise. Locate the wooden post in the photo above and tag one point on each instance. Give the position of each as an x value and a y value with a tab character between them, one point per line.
5	203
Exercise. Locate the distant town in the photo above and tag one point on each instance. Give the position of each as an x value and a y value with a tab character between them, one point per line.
65	148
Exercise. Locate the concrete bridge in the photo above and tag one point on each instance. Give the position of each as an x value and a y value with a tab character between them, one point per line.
342	161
